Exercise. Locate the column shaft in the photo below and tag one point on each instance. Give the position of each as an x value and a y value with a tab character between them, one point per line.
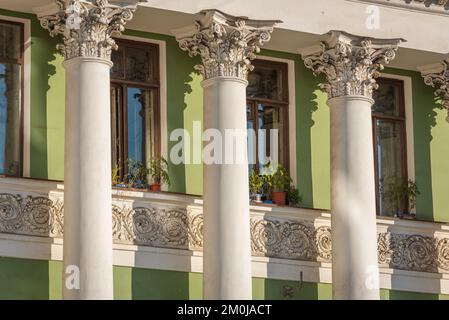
354	240
87	189
227	246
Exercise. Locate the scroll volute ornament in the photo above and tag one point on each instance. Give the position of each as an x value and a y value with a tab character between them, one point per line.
88	27
350	63
226	44
437	76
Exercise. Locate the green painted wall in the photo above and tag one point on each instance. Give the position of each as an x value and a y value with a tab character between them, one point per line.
38	279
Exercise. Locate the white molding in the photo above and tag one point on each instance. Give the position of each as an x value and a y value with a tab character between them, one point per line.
26	91
26	247
408	101
291	112
162	90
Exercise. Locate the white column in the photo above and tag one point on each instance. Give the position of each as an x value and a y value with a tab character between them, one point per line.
351	64
227	243
87	28
353	220
87	176
226	45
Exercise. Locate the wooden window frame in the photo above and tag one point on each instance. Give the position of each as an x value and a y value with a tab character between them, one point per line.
20	61
283	103
401	121
122	85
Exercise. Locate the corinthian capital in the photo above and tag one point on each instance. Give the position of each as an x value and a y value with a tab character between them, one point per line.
87	26
350	63
226	44
437	76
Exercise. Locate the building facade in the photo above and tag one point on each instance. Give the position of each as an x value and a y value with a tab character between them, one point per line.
356	91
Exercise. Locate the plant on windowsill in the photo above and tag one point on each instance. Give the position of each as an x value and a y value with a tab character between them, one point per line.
137	174
256	185
159	173
400	194
115	178
279	185
294	199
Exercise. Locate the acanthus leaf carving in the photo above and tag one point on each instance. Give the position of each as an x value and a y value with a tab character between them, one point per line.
350	63
88	27
226	44
439	79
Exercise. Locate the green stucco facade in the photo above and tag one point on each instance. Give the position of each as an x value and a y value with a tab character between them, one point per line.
32	279
38	279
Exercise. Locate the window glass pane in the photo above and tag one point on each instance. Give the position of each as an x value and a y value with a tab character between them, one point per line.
138	66
10	41
270	138
10	105
135	121
265	83
389	163
387	99
117	70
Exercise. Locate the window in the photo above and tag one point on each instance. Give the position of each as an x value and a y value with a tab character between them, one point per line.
11	100
388	114
267	108
134	103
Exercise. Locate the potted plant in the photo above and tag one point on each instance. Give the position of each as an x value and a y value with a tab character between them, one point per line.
280	184
115	178
137	174
256	184
159	174
294	199
400	195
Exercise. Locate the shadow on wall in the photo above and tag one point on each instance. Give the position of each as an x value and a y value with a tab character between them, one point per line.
179	79
44	54
29	279
306	105
424	119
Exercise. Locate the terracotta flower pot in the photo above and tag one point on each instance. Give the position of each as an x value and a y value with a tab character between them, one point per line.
278	197
155	187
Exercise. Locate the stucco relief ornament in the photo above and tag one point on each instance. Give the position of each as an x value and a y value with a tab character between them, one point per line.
350	63
88	27
226	44
439	79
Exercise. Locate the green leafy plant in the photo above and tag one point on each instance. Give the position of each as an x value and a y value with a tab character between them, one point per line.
137	174
13	168
256	183
159	170
115	175
399	194
294	199
280	180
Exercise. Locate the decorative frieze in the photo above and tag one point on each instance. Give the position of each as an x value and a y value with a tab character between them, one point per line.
226	44
88	27
350	63
437	76
37	216
181	227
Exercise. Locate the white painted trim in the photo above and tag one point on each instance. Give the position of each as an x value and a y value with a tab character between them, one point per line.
408	101
26	247
162	89
291	112
26	91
